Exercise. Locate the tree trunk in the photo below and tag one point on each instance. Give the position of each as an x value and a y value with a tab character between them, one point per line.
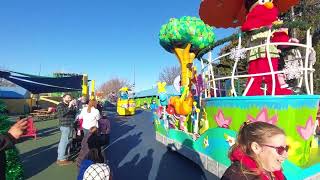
185	58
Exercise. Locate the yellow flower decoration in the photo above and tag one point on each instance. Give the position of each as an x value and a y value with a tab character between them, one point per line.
294	146
157	122
206	142
162	87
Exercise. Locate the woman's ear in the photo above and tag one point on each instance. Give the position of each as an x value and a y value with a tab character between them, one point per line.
256	148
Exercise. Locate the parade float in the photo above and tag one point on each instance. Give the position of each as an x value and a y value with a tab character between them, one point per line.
125	104
201	124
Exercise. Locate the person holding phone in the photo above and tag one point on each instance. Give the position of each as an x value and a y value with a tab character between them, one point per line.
66	112
8	140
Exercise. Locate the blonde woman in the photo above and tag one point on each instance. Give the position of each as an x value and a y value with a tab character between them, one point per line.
258	154
90	116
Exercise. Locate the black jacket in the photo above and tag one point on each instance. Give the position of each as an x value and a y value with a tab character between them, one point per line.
90	141
234	172
6	142
66	115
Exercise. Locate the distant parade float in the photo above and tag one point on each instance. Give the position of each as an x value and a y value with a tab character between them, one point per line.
125	106
203	123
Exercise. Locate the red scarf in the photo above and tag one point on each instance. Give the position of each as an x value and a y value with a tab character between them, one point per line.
250	164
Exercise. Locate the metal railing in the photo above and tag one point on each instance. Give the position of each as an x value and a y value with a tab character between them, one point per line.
306	66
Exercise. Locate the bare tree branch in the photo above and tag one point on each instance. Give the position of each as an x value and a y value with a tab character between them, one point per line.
112	86
168	74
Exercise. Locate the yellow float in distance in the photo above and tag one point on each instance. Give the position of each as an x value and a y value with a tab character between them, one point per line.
125	106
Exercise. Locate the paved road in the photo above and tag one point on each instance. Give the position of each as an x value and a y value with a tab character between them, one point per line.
39	155
135	154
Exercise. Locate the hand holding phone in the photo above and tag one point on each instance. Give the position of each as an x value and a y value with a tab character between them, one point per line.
18	128
71	103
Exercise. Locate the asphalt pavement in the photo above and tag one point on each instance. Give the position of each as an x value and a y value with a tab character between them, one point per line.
135	154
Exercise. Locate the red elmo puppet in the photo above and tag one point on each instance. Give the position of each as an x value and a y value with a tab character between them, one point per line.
261	14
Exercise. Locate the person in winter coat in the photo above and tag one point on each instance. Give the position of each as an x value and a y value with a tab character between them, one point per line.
104	129
89	141
66	112
94	156
258	153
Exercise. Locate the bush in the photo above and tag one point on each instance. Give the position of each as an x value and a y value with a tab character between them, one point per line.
14	168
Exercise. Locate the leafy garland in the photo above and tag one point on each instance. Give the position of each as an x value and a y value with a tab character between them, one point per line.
295	24
14	168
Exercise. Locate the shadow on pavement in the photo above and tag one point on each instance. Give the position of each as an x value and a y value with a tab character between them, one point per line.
134	153
43	133
119	149
48	132
173	165
135	169
38	159
119	127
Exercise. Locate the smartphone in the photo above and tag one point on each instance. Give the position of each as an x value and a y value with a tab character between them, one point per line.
28	124
22	117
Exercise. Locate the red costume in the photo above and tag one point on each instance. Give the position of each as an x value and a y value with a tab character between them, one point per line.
264	16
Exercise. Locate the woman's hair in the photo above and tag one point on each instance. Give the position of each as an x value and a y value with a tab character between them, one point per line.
258	132
93	129
95	155
92	103
64	95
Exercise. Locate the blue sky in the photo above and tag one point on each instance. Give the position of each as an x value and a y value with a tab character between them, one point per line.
102	38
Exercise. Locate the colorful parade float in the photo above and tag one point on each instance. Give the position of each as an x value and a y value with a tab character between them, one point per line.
125	105
202	123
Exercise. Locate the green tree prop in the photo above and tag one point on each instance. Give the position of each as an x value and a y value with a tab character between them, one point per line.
185	37
14	168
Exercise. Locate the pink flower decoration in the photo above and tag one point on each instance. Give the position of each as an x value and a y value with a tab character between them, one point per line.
307	131
159	111
263	117
221	120
182	119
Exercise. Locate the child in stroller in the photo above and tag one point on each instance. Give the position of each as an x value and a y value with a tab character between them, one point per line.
77	135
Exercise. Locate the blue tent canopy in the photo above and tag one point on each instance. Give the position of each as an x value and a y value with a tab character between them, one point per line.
41	84
13	93
154	92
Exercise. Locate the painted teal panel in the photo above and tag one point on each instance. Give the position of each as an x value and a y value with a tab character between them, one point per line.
274	102
291	111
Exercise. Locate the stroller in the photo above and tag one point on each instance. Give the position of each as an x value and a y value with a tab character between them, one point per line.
74	145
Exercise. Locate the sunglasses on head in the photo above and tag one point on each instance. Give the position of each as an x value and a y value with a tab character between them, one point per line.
280	149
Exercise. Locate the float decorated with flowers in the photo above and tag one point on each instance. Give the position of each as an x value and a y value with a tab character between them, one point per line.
202	123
